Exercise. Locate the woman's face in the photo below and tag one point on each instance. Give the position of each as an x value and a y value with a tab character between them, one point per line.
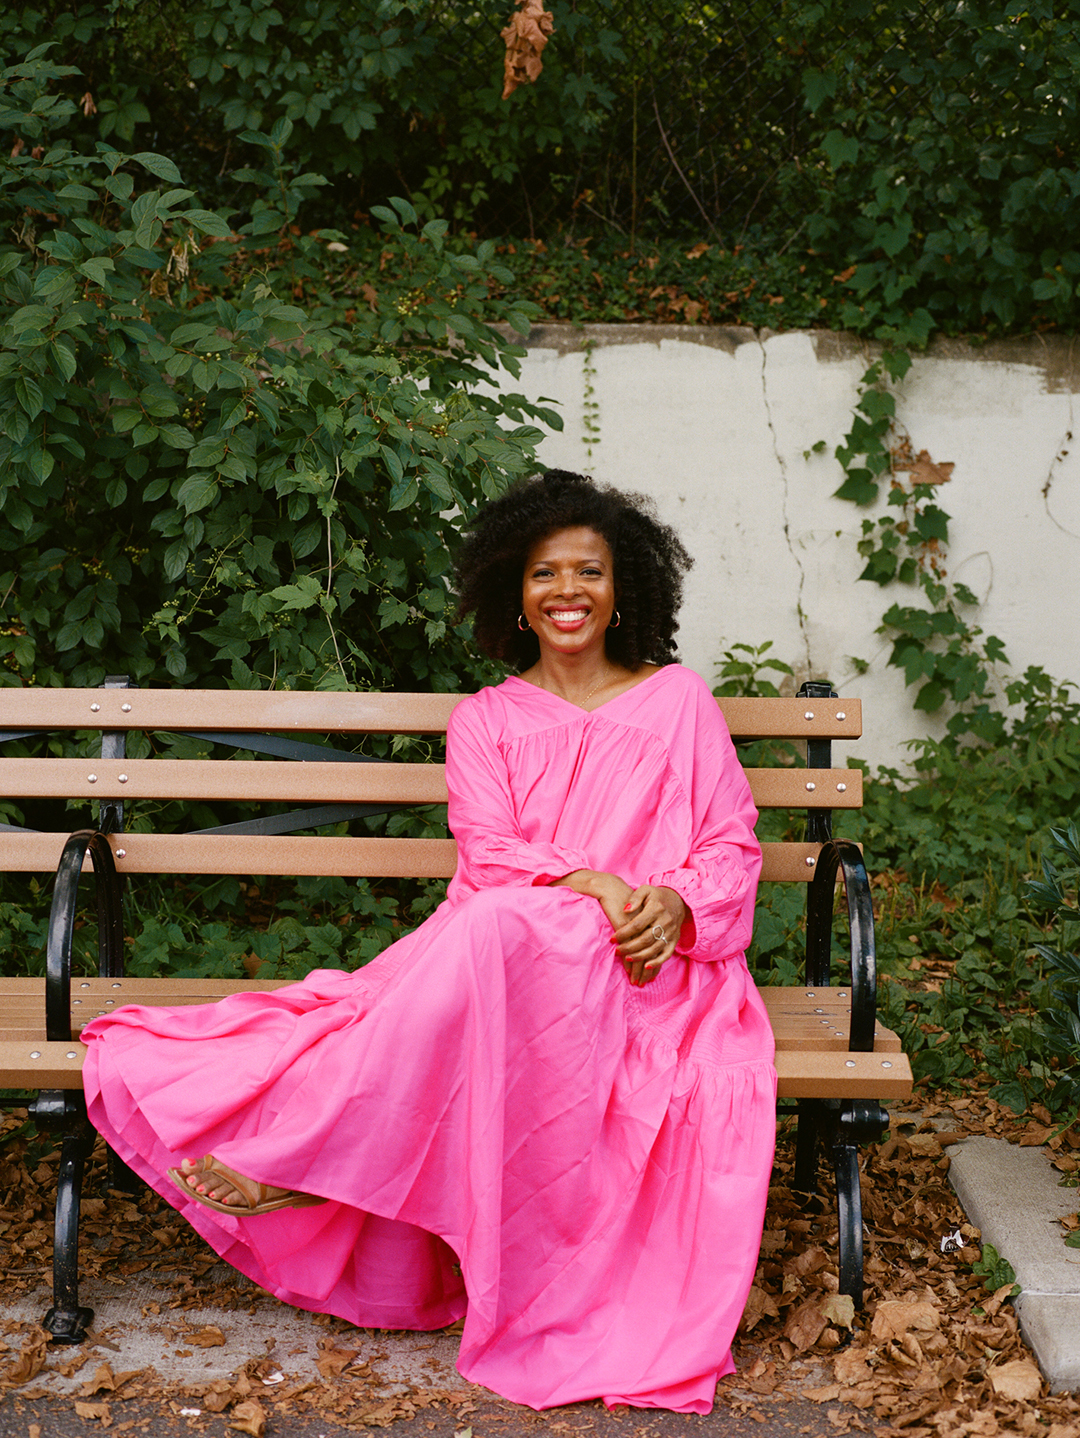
568	590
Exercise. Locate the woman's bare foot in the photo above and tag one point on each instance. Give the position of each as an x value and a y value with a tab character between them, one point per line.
212	1179
217	1186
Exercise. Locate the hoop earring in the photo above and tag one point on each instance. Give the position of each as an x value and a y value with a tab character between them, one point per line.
615	621
523	627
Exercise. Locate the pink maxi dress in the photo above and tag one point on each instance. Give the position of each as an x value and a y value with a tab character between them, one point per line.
505	1128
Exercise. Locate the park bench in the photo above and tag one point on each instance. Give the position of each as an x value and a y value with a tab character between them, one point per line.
834	1061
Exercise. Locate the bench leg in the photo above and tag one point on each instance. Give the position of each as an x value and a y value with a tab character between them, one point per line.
845	1157
121	1177
806	1146
65	1321
863	1121
839	1128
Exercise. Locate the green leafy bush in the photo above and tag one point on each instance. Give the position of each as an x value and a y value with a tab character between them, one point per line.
384	95
1055	895
203	483
949	138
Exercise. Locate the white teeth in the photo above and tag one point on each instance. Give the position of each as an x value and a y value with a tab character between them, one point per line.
568	616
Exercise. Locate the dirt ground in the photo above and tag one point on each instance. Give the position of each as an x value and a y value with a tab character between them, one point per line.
936	1351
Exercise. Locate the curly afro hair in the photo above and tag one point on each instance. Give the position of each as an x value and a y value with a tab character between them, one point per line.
650	562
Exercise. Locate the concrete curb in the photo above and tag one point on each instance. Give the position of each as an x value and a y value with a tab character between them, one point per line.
1013	1196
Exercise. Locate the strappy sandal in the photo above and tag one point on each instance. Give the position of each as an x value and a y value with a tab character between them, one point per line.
255	1195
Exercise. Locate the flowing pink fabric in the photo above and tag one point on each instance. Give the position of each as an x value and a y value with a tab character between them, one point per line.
504	1127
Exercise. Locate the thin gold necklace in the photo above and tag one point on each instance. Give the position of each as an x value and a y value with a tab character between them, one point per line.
582	702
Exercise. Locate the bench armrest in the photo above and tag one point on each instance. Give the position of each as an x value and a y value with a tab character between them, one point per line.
62	925
843	855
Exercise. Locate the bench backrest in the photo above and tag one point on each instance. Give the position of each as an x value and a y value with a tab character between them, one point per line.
330	785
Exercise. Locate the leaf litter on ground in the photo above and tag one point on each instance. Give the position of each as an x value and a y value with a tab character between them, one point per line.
935	1352
937	1348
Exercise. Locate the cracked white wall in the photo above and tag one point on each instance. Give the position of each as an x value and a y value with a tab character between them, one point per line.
714	425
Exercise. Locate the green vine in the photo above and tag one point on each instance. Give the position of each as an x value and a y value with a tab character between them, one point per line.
942	652
590	405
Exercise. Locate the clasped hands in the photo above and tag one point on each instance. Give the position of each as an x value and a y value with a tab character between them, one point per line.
636	916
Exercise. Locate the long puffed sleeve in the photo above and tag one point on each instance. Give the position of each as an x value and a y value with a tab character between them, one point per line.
718	878
491	847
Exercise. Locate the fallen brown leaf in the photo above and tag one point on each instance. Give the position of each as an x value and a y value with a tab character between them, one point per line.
850	1367
209	1336
332	1361
98	1411
1019	1380
30	1362
759	1305
829	1394
249	1417
839	1308
805	1324
893	1319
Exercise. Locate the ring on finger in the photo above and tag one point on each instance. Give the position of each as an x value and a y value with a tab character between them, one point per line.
658	934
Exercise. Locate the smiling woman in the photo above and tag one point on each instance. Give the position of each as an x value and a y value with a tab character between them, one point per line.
550	1108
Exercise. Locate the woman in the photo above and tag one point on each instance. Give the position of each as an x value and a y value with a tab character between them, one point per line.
556	1097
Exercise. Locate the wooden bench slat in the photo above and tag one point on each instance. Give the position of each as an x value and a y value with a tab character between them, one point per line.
312	782
806	788
347	857
786	718
36	1063
29	1026
247	854
303	711
303	782
246	710
812	1074
135	990
798	1018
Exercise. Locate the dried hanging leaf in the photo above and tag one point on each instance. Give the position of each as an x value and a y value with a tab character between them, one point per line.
923	469
525	37
249	1417
1020	1380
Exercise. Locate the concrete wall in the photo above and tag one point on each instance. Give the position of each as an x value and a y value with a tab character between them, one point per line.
713	422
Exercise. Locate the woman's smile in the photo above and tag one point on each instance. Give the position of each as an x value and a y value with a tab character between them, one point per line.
568	618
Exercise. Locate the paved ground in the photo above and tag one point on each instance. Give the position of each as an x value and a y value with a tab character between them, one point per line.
180	1361
197	1349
